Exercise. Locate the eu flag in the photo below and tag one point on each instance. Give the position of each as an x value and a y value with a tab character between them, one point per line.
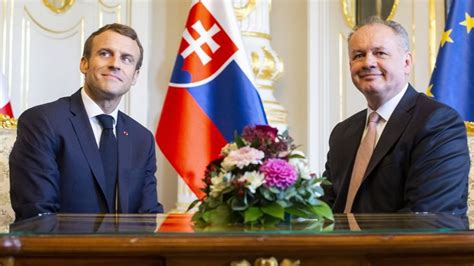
452	81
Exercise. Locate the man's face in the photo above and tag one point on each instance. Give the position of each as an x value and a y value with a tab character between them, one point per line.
110	70
379	65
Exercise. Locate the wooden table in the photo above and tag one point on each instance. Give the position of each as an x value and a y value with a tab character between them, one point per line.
106	240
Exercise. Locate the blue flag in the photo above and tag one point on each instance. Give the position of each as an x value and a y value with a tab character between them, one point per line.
452	81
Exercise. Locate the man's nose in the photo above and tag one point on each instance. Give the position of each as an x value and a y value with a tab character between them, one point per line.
370	61
114	62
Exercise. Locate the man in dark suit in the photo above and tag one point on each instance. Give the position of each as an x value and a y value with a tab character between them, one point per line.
420	162
58	163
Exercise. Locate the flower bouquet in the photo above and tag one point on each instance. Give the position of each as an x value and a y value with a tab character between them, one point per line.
261	179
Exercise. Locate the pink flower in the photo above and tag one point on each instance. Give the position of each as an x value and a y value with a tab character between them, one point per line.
278	173
242	158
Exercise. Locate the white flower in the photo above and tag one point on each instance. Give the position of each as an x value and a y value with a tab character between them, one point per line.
219	183
253	180
242	157
301	165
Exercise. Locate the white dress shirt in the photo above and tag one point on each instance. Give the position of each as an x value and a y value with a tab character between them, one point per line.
384	111
93	110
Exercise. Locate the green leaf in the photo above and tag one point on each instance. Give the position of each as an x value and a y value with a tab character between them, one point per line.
252	214
295	155
284	203
326	182
324	210
239	141
268	220
197	217
297	212
274	209
274	190
192	205
213	202
219	215
267	194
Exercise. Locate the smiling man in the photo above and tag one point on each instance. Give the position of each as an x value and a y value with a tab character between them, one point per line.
405	152
80	154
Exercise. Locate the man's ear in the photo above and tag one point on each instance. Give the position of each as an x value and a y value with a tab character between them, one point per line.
84	65
408	62
135	76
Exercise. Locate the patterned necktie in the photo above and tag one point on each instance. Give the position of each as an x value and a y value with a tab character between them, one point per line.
108	153
362	159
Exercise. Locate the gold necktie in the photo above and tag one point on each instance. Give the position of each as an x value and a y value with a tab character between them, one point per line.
362	159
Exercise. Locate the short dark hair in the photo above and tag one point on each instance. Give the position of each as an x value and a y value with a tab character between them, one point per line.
398	29
120	29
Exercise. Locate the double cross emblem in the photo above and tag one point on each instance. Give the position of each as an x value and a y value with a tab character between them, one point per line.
205	37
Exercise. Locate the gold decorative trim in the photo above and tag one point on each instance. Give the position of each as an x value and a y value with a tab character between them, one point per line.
267	68
271	102
111	9
265	87
394	9
256	34
255	62
48	29
273	110
242	12
101	2
7	121
350	19
469	128
432	34
58	9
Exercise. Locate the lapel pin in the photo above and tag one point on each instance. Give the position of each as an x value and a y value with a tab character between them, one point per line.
125	133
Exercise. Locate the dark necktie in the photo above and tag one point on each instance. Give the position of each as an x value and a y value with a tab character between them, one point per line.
109	154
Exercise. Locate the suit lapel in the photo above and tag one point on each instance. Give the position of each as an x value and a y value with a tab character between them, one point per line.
351	142
394	128
124	161
85	135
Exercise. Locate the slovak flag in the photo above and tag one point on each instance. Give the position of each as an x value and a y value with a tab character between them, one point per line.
5	106
211	95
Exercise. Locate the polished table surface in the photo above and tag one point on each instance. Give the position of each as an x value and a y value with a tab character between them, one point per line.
180	224
172	239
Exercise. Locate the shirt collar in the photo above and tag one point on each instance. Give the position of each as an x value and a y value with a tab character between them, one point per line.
386	109
93	109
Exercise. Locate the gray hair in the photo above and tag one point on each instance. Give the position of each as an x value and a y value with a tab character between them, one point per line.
398	29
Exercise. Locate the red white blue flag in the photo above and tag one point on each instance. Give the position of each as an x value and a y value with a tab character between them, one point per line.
211	95
5	106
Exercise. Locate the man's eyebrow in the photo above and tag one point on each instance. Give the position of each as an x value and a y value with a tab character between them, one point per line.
104	49
357	51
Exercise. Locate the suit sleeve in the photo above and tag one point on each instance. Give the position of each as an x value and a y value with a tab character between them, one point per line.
329	195
437	180
150	202
34	174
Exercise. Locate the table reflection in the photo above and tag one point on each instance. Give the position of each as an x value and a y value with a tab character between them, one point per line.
181	224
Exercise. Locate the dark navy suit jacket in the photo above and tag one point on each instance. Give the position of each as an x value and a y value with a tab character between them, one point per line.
420	164
55	164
